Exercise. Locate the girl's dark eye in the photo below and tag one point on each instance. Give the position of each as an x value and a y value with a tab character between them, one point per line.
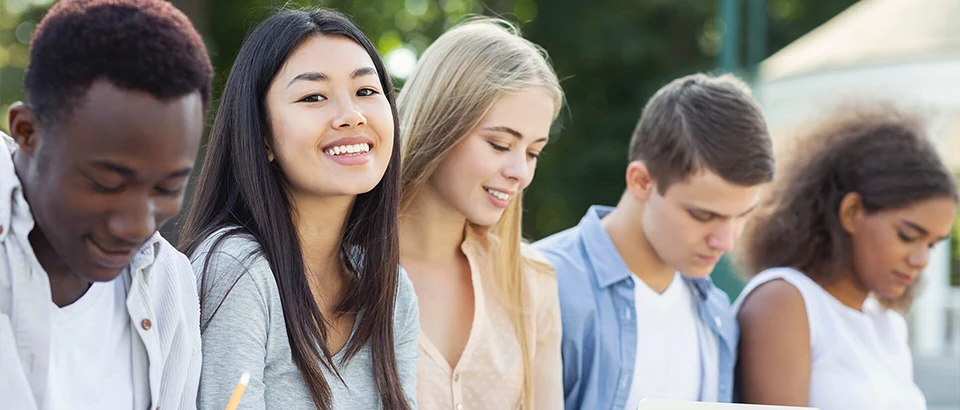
313	98
366	92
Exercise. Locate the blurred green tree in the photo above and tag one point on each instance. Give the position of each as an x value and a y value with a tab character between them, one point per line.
610	54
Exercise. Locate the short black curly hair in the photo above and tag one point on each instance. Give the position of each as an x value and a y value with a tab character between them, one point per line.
139	45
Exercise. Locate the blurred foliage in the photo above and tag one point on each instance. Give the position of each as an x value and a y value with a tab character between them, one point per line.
389	23
610	54
955	251
18	18
955	256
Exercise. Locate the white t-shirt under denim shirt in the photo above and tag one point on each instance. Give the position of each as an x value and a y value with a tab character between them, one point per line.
668	349
860	359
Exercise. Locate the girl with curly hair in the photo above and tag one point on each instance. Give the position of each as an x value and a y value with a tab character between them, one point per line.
836	251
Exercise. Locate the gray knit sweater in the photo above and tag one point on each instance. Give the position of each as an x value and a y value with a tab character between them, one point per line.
248	334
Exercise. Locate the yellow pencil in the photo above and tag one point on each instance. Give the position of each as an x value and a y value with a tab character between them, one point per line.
238	392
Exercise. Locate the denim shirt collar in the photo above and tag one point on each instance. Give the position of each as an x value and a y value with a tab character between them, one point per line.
605	259
610	270
603	256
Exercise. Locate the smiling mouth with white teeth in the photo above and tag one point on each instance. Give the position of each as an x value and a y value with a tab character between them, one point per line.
499	195
348	150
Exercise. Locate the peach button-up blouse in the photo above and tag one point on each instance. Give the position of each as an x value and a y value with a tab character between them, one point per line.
489	374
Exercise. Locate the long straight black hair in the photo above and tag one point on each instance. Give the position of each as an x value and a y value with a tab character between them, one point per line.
238	187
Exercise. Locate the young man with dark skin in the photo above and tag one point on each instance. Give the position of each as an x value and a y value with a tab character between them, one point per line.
97	310
641	318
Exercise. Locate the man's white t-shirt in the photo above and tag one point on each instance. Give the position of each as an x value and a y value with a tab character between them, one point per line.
91	358
668	351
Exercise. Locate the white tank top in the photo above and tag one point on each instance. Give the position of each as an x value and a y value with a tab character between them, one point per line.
861	360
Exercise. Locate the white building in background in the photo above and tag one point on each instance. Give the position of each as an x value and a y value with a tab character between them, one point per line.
904	52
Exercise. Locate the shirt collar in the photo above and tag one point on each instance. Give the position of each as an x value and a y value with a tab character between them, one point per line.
11	191
702	286
607	264
478	241
146	256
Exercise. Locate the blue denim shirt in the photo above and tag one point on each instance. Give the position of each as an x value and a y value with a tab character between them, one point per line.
599	325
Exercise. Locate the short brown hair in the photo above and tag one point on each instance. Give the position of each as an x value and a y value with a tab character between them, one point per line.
700	122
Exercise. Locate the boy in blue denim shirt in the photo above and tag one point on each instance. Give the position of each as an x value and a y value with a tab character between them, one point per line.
641	318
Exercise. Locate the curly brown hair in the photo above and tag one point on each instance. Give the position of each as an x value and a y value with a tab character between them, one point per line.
883	155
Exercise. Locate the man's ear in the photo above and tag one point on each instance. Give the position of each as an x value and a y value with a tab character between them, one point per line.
639	181
23	128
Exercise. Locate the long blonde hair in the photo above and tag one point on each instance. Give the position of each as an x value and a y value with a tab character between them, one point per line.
456	82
